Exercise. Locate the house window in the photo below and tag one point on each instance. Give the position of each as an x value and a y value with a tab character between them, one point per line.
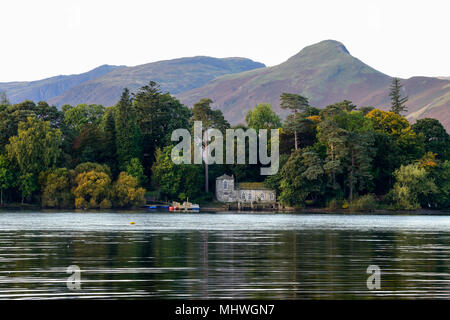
225	184
272	196
261	196
243	196
250	196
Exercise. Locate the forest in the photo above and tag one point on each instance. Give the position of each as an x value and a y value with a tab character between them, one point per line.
338	156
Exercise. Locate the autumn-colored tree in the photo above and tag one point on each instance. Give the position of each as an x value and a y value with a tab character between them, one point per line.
56	188
92	190
91	166
127	192
396	144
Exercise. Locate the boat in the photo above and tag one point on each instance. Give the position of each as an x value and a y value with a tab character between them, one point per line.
186	206
156	206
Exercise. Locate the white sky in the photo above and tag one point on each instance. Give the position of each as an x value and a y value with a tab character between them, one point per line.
45	38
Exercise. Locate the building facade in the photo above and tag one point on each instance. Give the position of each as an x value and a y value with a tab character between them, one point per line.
250	192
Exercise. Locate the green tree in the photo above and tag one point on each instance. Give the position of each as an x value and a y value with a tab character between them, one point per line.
262	117
128	134
4	99
307	180
108	126
158	115
274	181
36	148
27	185
398	103
81	115
11	116
210	119
176	181
396	144
51	114
348	137
88	146
440	174
135	169
295	103
412	183
6	176
437	140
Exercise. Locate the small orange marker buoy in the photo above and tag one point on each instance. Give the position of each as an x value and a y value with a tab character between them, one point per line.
131	222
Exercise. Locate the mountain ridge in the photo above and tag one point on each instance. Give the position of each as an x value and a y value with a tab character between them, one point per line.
173	75
325	72
45	89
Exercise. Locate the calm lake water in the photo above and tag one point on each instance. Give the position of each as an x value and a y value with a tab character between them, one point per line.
222	255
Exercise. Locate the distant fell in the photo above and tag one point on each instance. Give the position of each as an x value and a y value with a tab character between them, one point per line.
45	89
175	76
325	72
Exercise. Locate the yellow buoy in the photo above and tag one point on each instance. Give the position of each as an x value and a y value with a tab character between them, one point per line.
131	222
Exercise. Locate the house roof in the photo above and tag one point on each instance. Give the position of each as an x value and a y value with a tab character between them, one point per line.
224	177
252	186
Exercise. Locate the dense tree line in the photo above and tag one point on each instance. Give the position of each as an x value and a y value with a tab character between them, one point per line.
342	155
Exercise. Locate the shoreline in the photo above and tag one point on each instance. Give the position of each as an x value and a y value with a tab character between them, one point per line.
218	207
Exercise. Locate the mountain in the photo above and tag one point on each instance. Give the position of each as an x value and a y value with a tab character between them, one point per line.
43	90
175	76
103	85
325	73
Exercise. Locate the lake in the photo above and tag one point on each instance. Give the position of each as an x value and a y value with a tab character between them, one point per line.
222	255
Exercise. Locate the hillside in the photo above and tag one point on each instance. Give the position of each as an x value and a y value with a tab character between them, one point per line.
46	89
175	76
325	73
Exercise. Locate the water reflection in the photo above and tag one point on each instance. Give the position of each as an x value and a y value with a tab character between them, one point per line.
310	261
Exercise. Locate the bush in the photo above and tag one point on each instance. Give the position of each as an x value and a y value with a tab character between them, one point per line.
367	202
335	204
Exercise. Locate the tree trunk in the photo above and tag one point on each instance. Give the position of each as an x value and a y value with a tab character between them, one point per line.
206	177
295	131
333	172
351	178
206	163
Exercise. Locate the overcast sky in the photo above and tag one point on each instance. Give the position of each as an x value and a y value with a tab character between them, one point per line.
46	38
